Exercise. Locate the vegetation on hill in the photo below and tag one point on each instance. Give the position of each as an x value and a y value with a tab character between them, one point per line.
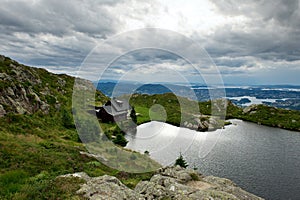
171	104
37	145
178	111
271	116
181	161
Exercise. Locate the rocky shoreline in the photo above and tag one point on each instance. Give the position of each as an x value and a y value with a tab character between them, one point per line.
167	183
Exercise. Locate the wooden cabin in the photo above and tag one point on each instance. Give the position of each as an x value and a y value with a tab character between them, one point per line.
114	111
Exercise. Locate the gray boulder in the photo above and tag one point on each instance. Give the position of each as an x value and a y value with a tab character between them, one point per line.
107	187
2	111
179	183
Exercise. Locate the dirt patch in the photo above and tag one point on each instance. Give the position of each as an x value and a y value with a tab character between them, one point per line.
199	185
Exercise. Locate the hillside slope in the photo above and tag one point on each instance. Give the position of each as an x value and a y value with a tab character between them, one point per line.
38	139
26	89
261	114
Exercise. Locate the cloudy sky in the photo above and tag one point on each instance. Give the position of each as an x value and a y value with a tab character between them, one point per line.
250	42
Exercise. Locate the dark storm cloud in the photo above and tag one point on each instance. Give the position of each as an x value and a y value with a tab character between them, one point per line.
271	32
270	44
54	32
56	17
152	55
282	11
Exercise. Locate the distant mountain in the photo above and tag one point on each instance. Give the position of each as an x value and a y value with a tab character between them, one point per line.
118	89
283	96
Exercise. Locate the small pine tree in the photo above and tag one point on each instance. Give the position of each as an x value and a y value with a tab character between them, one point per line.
133	115
67	119
120	140
147	152
181	162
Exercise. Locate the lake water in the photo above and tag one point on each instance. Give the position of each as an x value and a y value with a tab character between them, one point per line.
260	159
254	100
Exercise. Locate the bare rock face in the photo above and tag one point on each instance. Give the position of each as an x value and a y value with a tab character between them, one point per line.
179	183
168	183
27	90
81	175
250	109
22	99
107	187
16	91
2	111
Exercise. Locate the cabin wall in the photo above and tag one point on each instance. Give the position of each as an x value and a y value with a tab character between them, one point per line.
121	117
104	116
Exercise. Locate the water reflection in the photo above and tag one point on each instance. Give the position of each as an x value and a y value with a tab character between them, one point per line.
261	159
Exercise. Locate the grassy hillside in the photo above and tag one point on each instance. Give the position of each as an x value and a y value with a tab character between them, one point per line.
38	139
270	116
261	114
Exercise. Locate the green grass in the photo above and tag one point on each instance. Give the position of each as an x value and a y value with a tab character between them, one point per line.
12	181
146	114
265	115
142	114
145	106
275	117
169	108
36	148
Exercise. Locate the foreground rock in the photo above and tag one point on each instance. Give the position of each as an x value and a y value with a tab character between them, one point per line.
169	183
107	187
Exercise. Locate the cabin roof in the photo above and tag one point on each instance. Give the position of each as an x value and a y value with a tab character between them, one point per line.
110	110
117	107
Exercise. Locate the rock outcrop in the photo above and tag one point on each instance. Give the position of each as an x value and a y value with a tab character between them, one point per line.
168	183
104	188
26	89
250	109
